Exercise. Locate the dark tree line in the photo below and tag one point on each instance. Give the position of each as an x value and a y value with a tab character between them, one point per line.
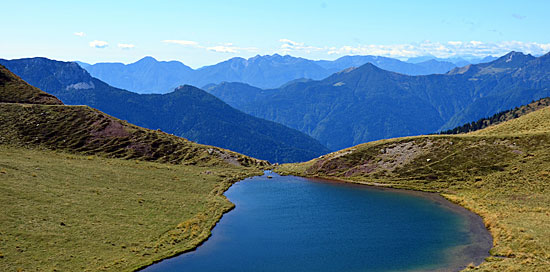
499	117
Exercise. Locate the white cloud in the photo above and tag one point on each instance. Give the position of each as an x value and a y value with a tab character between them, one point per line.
289	46
443	50
476	43
99	44
287	41
183	42
126	46
79	34
223	48
229	48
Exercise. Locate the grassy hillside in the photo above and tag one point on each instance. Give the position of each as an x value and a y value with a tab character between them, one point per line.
532	123
501	173
89	131
67	212
15	90
84	191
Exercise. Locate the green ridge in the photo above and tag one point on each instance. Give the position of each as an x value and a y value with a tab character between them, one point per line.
14	90
89	131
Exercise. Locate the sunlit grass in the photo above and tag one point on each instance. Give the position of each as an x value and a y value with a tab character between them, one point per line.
86	213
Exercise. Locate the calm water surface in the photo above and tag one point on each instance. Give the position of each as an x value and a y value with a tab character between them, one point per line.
296	224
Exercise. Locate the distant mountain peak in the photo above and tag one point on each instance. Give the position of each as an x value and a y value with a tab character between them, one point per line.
369	66
231	60
512	59
184	87
515	54
275	57
147	59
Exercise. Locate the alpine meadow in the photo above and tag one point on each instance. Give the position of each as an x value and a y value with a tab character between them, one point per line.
275	136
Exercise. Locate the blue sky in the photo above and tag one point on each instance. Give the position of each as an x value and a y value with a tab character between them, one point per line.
200	33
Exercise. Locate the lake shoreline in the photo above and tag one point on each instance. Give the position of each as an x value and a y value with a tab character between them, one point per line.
461	256
474	254
224	186
476	221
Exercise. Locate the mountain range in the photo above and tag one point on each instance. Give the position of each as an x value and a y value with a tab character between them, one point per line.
270	71
367	103
187	112
459	61
349	107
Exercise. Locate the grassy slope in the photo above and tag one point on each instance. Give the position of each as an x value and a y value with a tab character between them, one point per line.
89	131
118	214
71	212
83	207
13	89
501	173
529	124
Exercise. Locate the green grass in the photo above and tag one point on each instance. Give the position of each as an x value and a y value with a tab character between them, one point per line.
501	173
537	122
70	212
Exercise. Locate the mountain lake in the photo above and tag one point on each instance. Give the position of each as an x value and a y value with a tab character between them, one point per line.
288	223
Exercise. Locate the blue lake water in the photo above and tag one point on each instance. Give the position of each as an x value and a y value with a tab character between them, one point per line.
289	223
